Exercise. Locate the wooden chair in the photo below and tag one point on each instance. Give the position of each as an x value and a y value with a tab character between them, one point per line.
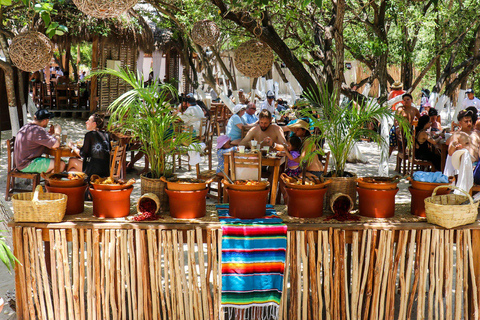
13	173
179	154
219	113
243	166
206	136
421	164
402	155
47	97
117	160
205	175
61	96
73	94
37	93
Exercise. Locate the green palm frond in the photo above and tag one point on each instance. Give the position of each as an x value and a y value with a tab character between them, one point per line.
145	113
343	126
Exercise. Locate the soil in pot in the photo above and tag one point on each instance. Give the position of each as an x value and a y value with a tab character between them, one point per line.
378	183
417	205
75	197
157	187
305	203
247	204
187	204
376	203
111	203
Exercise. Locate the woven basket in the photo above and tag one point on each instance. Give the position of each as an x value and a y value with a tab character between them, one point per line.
339	195
345	185
253	58
151	196
31	51
205	33
39	206
446	211
157	187
104	9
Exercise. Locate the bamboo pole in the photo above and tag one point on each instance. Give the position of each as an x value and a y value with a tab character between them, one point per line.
448	274
326	273
402	277
209	272
304	275
46	285
355	285
400	250
202	273
388	270
459	275
294	279
426	239
283	312
76	274
171	271
440	275
215	276
36	272
220	269
370	275
133	273
139	260
472	273
161	252
466	297
319	271
97	295
118	281
433	283
81	287
418	240
299	274
30	288
343	289
377	275
66	268
20	276
363	275
153	287
185	298
113	270
313	274
128	313
61	275
331	244
178	277
90	275
105	273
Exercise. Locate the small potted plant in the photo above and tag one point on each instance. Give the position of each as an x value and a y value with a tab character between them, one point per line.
146	114
341	126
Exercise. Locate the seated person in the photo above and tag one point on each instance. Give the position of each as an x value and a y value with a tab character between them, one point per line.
223	146
193	115
30	144
249	116
95	152
205	110
243	99
436	126
235	124
267	133
424	144
269	103
301	129
292	152
409	112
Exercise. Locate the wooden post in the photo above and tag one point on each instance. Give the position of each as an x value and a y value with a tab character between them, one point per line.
94	80
475	234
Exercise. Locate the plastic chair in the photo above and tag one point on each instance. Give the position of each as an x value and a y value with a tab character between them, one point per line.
13	173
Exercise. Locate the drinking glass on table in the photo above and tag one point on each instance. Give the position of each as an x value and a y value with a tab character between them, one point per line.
254	144
241	149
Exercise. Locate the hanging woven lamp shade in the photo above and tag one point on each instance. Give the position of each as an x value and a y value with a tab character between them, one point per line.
31	51
205	33
253	58
104	9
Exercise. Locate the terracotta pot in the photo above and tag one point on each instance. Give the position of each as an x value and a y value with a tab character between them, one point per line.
62	180
417	205
305	203
111	203
75	197
247	204
258	186
180	185
376	203
187	204
428	186
316	186
155	186
378	183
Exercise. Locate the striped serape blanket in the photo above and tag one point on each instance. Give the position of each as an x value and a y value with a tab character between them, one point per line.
253	262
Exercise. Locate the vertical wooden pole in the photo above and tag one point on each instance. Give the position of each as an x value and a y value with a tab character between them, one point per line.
94	80
475	250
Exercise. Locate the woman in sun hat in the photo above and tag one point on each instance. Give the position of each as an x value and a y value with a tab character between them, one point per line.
223	146
236	123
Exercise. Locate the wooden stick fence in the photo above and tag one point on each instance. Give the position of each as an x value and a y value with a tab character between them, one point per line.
159	273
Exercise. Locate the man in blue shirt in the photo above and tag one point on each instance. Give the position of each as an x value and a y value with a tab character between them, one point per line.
249	115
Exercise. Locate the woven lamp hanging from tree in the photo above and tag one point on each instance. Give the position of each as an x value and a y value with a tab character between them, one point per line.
31	51
104	9
253	58
205	33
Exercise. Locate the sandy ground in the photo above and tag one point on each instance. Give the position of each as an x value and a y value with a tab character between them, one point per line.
75	129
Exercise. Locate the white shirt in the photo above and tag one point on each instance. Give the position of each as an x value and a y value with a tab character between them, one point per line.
269	107
475	102
193	117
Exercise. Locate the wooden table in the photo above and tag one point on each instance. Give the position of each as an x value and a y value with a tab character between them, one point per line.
58	154
274	162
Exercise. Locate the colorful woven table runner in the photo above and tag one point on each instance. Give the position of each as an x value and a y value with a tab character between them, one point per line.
253	262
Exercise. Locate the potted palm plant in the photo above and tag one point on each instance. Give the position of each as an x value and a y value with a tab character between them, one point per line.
146	114
341	127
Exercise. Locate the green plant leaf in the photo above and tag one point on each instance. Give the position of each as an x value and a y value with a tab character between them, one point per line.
5	2
46	18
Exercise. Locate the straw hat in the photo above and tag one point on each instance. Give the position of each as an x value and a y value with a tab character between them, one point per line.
457	158
397	85
299	124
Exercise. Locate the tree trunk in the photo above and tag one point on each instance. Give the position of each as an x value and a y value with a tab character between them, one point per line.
280	72
339	49
9	86
224	69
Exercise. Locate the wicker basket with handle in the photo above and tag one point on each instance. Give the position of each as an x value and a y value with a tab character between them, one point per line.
446	211
39	206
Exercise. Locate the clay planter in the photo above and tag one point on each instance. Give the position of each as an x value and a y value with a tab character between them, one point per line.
417	205
157	187
62	180
428	186
111	203
305	203
75	197
378	183
187	204
247	204
376	203
180	185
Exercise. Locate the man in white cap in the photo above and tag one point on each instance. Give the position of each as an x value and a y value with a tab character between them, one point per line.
236	123
193	115
269	104
471	100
